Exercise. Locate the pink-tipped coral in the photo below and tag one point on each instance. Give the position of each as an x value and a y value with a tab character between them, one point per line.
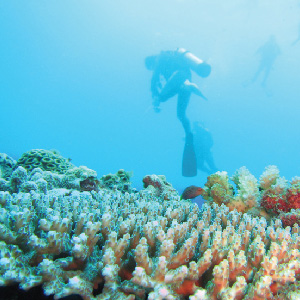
111	244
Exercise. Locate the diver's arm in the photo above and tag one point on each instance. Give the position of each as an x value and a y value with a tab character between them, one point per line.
155	83
157	72
155	90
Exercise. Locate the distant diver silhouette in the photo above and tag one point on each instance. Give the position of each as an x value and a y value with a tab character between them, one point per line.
268	53
172	76
298	38
203	143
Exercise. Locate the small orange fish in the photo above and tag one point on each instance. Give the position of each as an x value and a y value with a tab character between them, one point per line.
191	192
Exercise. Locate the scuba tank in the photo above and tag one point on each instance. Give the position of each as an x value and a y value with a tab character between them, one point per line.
202	68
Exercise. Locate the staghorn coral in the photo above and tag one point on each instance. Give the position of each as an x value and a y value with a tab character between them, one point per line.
114	245
289	292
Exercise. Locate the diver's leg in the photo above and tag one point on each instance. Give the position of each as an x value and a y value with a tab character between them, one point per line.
182	103
189	159
210	162
200	161
193	88
205	170
172	86
257	73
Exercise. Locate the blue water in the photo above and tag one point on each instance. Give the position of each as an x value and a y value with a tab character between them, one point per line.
73	79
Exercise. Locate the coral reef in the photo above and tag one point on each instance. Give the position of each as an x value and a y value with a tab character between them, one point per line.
111	244
7	165
282	197
47	160
79	178
119	181
218	189
158	185
273	196
247	195
290	218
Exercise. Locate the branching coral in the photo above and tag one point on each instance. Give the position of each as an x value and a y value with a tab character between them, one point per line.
109	244
269	197
220	191
137	247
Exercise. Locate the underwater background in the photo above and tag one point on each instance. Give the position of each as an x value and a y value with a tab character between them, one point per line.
73	79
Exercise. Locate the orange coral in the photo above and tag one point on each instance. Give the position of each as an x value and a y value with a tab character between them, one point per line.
187	288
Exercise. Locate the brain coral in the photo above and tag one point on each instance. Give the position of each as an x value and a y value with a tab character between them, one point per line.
47	160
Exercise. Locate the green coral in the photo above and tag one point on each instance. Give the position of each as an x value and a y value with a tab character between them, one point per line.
73	177
119	181
47	160
42	170
218	189
7	165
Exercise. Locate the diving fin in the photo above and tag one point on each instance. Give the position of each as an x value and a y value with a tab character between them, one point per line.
202	96
189	161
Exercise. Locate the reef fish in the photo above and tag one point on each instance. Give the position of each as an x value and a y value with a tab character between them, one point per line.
191	192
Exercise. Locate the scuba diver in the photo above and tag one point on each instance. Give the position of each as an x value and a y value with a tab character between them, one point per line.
172	76
268	54
203	143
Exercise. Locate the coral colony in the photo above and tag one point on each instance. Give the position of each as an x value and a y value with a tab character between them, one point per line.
70	233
